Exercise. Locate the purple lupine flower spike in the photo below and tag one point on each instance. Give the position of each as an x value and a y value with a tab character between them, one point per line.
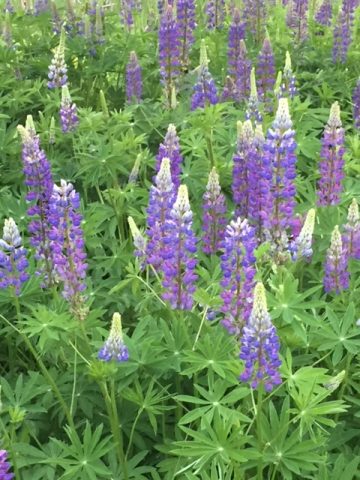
204	92
255	17
161	200
215	11
242	73
7	31
169	51
239	66
260	346
5	466
99	27
297	19
324	13
238	269
356	102
8	7
170	149
133	80
186	21
68	112
302	246
41	6
139	241
265	73
331	160
336	277
288	87
57	70
13	261
56	20
179	254
351	236
68	246
343	31
214	208
114	347
228	93
253	106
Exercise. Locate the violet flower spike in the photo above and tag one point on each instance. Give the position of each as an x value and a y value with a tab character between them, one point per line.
288	88
239	66
179	254
5	466
214	208
343	31
56	19
260	346
253	106
40	6
13	261
324	14
170	149
204	91
68	112
356	102
133	80
215	12
351	237
7	31
58	70
297	19
265	73
336	277
331	160
238	270
114	347
139	241
186	22
302	246
255	17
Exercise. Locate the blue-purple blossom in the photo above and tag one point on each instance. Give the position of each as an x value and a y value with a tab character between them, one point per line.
238	269
185	11
336	276
133	80
114	347
356	102
57	70
265	73
13	261
5	466
302	245
41	6
351	237
170	149
179	254
324	13
8	7
260	346
204	92
239	65
297	19
215	11
255	17
68	112
343	30
56	21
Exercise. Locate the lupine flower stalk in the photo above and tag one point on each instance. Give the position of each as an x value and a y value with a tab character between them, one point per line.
170	149
302	247
127	9
215	11
8	7
40	6
56	21
297	19
68	246
324	13
238	270
204	91
229	91
52	132
239	65
214	209
331	160
114	347
138	239
265	73
7	31
253	106
186	22
57	70
336	277
68	112
351	236
133	80
260	346
13	261
356	102
255	17
179	254
134	174
161	200
343	31
5	466
289	85
99	27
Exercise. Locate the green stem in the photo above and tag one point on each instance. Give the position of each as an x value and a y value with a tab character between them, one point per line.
133	431
259	431
12	441
210	148
344	383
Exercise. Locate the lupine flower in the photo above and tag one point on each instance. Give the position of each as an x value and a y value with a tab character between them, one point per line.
7	31
302	247
297	18
127	9
56	20
13	262
134	174
70	24
68	112
170	149
57	70
352	231
204	91
238	269
5	466
52	137
38	178
331	160
214	208
186	21
179	254
228	90
114	348
161	200
133	80
289	85
239	65
265	73
8	7
356	102
253	106
279	87
41	6
242	74
99	27
343	31
68	246
169	50
260	346
324	13
138	239
215	11
336	277
255	17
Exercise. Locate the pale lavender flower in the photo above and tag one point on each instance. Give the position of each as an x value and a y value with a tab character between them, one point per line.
68	112
170	149
351	237
114	347
57	70
336	277
356	102
302	245
133	79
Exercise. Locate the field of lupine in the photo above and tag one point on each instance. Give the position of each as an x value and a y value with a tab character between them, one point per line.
180	256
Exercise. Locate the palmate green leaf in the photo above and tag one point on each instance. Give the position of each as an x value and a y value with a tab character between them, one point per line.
20	394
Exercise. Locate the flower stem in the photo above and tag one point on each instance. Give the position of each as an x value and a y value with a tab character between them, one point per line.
259	431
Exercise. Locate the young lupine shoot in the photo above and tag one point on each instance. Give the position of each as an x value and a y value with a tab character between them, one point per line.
52	130
351	236
133	80
279	87
356	103
68	112
253	106
179	254
331	160
5	466
302	247
289	85
336	277
204	92
134	174
138	239
13	261
170	149
58	70
260	346
114	347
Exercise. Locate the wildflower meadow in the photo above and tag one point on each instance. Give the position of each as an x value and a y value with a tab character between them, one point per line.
179	239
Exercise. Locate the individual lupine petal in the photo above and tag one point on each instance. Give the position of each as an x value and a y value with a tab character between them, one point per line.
343	31
170	149
289	85
331	160
238	270
133	80
68	246
302	247
351	236
215	11
255	17
214	208
68	112
356	102
138	239
324	14
13	261
336	277
260	346
5	466
204	91
114	347
57	70
253	106
297	19
161	200
186	20
265	73
179	254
